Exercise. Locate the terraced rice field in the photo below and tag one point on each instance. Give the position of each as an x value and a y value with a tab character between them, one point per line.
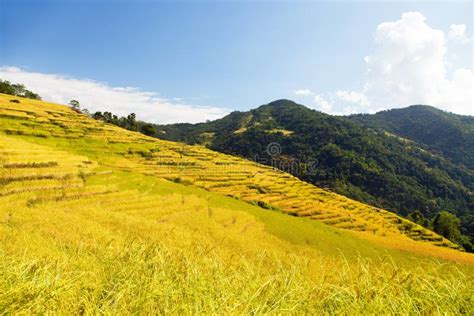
190	165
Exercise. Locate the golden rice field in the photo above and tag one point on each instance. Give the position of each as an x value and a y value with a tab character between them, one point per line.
97	219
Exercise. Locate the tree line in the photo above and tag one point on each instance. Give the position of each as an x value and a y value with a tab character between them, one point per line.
444	224
128	122
17	90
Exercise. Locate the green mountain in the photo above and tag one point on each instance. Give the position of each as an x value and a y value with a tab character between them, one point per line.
350	156
442	132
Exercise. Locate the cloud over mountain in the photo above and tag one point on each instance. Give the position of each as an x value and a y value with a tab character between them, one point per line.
408	66
97	96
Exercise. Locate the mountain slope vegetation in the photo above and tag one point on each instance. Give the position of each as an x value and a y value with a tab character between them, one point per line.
352	159
94	218
442	132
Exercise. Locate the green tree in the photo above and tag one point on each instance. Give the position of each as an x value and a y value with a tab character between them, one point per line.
115	119
98	116
86	112
17	90
75	105
31	95
466	243
107	117
447	225
131	122
122	122
418	218
148	129
6	87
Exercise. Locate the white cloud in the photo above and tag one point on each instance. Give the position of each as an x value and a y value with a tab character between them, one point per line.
322	104
457	33
96	96
409	66
303	92
353	97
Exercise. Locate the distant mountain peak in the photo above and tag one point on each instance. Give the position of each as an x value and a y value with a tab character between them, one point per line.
424	108
281	102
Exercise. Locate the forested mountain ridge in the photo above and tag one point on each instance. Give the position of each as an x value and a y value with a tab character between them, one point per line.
360	161
445	133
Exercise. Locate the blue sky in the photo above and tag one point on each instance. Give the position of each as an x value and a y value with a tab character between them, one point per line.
213	57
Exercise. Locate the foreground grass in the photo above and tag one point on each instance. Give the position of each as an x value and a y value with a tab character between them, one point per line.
135	277
191	251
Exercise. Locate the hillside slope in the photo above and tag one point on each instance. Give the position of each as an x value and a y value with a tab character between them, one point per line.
446	133
94	218
359	162
198	166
